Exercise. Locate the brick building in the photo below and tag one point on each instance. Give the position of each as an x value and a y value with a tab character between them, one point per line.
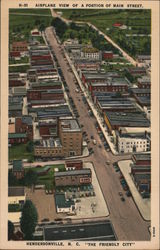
107	55
18	170
74	165
20	46
24	125
73	178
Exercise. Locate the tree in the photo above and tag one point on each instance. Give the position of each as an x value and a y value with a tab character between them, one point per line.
29	219
10	230
29	146
30	178
12	181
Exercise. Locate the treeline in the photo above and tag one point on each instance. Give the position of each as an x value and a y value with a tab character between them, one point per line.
84	34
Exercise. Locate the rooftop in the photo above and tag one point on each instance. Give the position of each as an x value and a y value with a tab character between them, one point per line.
73	172
61	202
100	230
17	135
130	119
100	75
142	157
17	165
69	125
16	191
90	50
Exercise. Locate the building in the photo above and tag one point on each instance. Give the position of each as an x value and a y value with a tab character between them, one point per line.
48	128
115	104
142	159
85	64
73	177
144	82
114	120
44	94
17	138
74	165
20	46
110	85
91	53
91	77
130	140
24	124
18	170
49	148
86	231
137	71
107	55
71	137
141	173
64	205
16	200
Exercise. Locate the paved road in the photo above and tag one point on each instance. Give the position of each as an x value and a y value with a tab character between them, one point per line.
125	217
125	54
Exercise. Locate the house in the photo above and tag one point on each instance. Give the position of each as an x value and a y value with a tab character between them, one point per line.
64	205
73	177
107	55
18	170
141	159
74	165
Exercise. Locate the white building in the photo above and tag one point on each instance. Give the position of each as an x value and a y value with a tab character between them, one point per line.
64	205
91	53
133	140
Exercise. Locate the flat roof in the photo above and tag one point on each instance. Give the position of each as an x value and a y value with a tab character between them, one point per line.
16	191
17	135
61	202
140	91
131	119
142	157
17	165
46	84
70	125
73	172
99	230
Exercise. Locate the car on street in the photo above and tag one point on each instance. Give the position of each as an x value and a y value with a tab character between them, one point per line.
92	137
120	194
94	142
122	199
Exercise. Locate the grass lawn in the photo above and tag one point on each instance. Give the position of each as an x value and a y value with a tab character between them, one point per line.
20	26
48	178
137	22
22	69
19	152
32	11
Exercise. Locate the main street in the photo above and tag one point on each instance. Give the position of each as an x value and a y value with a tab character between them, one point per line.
125	216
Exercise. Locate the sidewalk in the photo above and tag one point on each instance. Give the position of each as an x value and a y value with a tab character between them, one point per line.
143	205
90	103
84	207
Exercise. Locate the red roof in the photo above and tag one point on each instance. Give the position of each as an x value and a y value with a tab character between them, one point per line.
15	53
117	24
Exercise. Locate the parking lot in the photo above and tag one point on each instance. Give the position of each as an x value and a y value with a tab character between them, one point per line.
91	206
44	203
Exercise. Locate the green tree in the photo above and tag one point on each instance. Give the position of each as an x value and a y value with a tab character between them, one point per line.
10	230
12	181
29	146
30	178
29	219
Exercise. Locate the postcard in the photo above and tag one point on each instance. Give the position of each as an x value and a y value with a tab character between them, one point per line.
79	124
